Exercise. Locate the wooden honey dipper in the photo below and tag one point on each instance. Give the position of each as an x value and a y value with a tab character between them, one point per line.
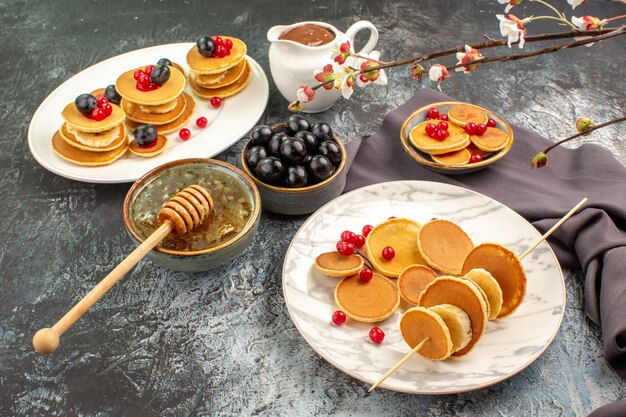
180	214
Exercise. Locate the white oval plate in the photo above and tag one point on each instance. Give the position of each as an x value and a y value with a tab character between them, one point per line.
508	346
228	124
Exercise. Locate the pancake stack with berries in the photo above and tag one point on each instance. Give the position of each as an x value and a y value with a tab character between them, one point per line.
218	67
93	133
154	95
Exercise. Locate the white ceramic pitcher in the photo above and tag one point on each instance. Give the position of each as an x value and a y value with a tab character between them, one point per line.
292	63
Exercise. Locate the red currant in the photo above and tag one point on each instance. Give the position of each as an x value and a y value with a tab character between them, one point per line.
442	125
347	236
108	109
221	51
388	253
98	114
184	133
475	158
202	122
447	133
366	275
470	128
443	117
440	135
345	248
137	74
144	80
228	44
216	102
217	41
102	100
377	335
491	123
339	317
148	70
359	241
433	113
367	229
481	128
430	128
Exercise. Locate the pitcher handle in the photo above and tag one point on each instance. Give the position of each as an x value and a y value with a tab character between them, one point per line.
363	24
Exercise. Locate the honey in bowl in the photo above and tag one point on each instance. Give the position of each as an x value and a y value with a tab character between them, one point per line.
309	35
233	206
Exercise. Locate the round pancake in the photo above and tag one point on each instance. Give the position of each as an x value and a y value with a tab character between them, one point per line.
418	323
458	323
474	150
444	245
78	121
337	265
206	65
174	125
208	79
133	112
489	286
401	235
463	294
223	92
457	140
367	302
86	158
157	148
459	157
232	75
462	114
412	281
118	135
492	140
161	108
505	267
126	87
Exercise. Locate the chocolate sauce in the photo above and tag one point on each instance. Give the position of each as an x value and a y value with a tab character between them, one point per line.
309	34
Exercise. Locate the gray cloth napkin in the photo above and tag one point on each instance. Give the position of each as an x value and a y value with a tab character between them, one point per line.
594	239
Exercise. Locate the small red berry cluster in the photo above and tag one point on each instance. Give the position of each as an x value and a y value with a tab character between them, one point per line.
437	131
350	240
479	129
144	79
103	110
222	47
376	334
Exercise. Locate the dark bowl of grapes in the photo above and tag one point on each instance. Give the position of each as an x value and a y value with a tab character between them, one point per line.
298	166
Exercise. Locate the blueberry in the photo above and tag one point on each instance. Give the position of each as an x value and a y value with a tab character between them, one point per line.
292	151
270	170
331	150
164	61
254	155
322	131
160	74
296	124
111	94
205	45
85	103
320	167
296	176
145	135
309	140
260	135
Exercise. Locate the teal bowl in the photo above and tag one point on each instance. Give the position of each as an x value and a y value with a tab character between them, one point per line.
160	184
304	200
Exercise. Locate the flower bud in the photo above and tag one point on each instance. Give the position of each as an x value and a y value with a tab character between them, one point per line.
539	160
583	124
417	71
295	106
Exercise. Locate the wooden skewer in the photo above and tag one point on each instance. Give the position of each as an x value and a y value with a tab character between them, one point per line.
399	364
186	210
522	256
553	228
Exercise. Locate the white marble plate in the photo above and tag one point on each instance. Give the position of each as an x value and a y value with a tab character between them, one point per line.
508	346
226	125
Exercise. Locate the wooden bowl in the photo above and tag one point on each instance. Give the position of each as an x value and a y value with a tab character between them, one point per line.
424	159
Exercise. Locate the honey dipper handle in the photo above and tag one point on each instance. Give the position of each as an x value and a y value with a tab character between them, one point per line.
399	364
44	340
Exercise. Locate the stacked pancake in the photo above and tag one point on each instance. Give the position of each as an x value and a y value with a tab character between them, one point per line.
458	148
167	107
85	141
219	77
